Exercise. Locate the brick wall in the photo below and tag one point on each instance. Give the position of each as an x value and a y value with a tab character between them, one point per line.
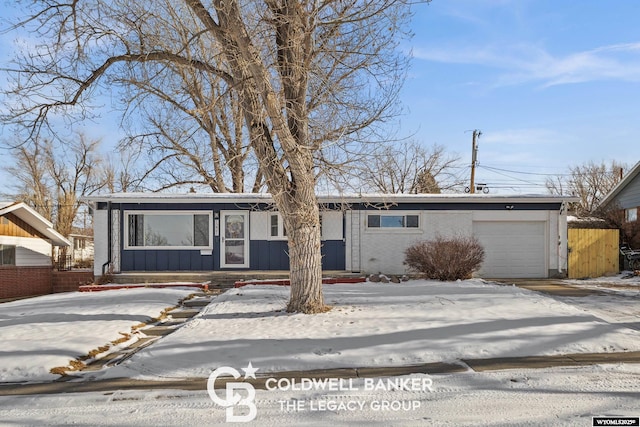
24	281
68	281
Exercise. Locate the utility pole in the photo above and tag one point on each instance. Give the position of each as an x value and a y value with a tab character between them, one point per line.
474	160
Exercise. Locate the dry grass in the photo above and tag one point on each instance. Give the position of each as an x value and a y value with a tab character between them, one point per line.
123	338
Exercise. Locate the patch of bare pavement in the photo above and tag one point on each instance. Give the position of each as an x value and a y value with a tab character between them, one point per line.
550	287
80	385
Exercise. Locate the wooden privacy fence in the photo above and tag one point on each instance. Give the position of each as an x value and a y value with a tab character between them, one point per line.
593	252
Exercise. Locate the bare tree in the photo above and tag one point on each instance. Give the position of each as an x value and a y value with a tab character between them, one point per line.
120	172
52	178
308	75
407	167
32	183
591	182
209	147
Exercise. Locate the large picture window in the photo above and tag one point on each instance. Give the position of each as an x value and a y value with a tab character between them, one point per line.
169	230
393	221
7	255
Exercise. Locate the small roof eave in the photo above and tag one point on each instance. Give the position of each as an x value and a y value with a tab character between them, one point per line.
37	221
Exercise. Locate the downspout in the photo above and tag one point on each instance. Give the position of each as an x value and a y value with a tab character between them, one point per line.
562	227
109	242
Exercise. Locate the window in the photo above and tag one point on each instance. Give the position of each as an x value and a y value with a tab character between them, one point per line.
631	214
169	230
393	221
79	243
7	255
277	229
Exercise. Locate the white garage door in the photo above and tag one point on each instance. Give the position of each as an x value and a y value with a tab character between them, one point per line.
512	249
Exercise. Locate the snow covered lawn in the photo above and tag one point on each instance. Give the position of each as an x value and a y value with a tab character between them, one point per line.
41	333
375	324
371	324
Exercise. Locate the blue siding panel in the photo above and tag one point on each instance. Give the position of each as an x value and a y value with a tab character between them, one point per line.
150	261
263	255
185	260
268	255
162	259
333	255
174	261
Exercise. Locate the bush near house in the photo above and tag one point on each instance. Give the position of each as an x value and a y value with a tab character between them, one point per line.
445	259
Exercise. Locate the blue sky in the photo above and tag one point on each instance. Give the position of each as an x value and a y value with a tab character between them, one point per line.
549	83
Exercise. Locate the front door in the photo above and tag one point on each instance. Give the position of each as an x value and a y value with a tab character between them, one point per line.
234	239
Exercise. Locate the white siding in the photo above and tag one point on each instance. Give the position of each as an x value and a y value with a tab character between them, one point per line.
447	224
332	225
100	240
382	249
353	243
261	222
518	243
30	252
259	225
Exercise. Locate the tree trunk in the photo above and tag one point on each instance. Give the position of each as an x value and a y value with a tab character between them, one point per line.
305	269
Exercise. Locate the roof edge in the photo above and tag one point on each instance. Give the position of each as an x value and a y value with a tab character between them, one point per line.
41	224
635	171
344	198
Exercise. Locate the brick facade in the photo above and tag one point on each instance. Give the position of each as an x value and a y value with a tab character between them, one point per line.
69	281
25	281
16	282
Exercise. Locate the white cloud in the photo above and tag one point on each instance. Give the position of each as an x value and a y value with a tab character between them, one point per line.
531	64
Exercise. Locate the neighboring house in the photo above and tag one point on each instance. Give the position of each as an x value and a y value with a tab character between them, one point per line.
26	241
524	236
626	195
82	248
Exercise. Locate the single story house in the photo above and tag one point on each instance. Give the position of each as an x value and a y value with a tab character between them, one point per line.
523	236
26	241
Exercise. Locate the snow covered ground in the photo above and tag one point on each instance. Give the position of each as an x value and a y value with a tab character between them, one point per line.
376	324
369	325
41	333
541	397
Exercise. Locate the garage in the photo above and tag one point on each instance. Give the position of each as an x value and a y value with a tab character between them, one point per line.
513	249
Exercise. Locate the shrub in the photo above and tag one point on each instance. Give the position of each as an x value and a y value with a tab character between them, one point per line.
445	259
